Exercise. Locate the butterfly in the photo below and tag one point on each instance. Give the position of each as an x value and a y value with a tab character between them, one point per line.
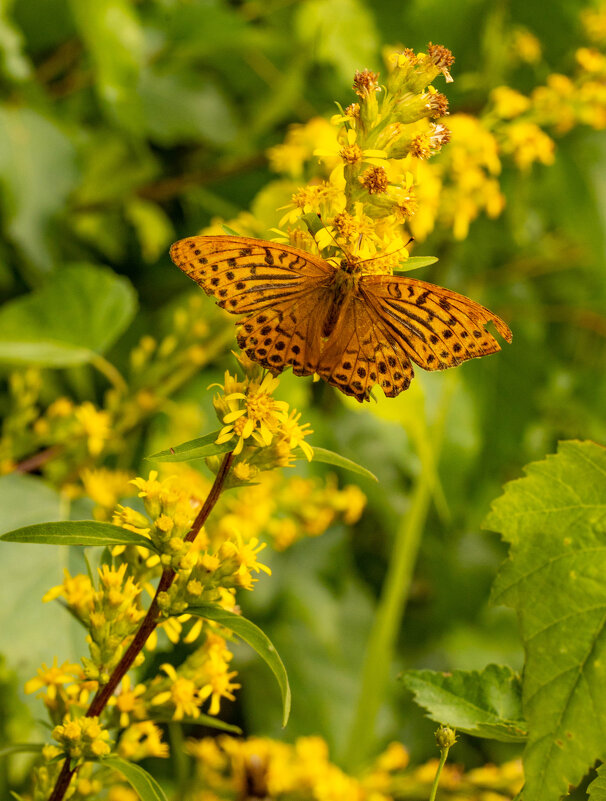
353	329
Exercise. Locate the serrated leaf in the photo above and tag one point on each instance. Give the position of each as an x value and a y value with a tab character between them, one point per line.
329	457
140	780
77	532
257	639
485	703
199	448
414	263
597	789
555	522
95	307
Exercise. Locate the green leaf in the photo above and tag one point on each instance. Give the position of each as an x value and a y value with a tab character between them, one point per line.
313	222
199	448
201	720
329	457
74	317
114	39
78	532
257	640
38	168
342	33
597	789
485	703
140	780
555	522
414	263
230	231
21	748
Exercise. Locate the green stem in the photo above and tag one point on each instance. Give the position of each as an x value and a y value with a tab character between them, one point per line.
436	781
111	373
392	604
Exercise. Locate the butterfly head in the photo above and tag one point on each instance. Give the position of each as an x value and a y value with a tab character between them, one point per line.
351	264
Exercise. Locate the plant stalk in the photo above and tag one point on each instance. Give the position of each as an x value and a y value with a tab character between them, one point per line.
149	623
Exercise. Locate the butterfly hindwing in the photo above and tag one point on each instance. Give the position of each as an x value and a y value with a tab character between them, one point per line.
360	353
246	274
435	327
287	334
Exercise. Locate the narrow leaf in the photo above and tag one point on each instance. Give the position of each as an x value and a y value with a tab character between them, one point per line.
21	748
485	703
414	263
77	532
201	720
230	231
555	522
140	780
257	639
329	457
199	448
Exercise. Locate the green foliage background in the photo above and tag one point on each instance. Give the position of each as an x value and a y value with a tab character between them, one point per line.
125	125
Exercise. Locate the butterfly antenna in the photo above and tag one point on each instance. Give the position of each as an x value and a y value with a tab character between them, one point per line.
340	247
384	255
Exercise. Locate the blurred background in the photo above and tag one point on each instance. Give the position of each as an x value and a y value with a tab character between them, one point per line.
127	124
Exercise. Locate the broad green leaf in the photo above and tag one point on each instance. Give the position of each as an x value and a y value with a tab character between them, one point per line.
114	39
597	789
555	522
414	263
38	169
140	780
342	33
181	108
199	448
75	316
153	228
77	532
14	64
253	636
485	703
329	457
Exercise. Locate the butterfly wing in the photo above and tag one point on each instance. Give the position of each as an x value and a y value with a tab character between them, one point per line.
360	352
288	333
246	275
435	327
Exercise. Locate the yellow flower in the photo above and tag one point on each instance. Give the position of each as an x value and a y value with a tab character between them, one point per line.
508	103
219	683
95	425
53	677
142	740
183	695
128	701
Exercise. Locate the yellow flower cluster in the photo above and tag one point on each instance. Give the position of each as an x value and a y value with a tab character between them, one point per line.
82	738
263	431
204	675
368	188
227	767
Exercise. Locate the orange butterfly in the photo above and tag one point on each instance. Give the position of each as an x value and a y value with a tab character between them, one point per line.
354	330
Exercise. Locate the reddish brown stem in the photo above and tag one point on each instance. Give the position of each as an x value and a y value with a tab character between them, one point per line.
149	623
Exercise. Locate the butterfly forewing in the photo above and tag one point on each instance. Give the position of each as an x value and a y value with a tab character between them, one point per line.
246	274
435	327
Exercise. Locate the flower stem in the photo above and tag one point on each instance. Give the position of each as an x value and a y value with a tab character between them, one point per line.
436	781
149	623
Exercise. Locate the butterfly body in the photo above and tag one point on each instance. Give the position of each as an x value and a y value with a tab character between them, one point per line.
355	330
